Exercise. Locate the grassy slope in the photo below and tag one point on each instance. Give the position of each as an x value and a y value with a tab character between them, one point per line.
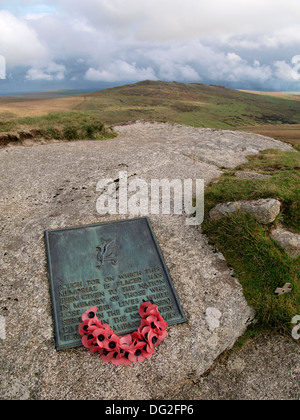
194	104
259	263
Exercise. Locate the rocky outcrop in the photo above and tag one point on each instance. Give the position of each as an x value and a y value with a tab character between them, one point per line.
264	211
289	241
55	186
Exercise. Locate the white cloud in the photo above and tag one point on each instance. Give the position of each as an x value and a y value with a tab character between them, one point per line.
232	68
19	43
52	72
283	37
237	41
275	39
35	16
37	74
284	71
120	70
165	20
194	62
180	72
233	58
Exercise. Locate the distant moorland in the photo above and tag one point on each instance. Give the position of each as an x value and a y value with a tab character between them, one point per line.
273	114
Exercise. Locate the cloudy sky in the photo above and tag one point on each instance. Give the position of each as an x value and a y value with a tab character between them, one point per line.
91	44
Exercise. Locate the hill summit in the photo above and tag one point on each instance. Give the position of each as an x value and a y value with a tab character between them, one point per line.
192	104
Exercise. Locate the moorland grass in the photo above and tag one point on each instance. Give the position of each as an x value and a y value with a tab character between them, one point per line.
284	184
258	262
192	104
61	126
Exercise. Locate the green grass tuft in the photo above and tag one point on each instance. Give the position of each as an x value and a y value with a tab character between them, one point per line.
258	262
61	126
284	184
261	266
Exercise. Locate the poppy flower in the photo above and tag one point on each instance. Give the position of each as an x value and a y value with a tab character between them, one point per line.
90	314
143	326
126	342
135	347
88	341
106	356
125	359
84	328
95	348
137	354
158	324
120	357
139	349
111	343
107	330
147	309
158	333
100	335
152	338
88	326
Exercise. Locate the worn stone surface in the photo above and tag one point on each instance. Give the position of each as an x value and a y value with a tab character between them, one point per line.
264	211
221	148
289	241
267	368
54	186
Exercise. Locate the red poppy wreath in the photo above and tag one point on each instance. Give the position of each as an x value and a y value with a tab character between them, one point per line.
135	347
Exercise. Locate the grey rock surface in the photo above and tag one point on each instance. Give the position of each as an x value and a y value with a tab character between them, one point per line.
54	186
264	211
289	241
267	368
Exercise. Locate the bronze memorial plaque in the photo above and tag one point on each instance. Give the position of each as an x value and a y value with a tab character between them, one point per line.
114	266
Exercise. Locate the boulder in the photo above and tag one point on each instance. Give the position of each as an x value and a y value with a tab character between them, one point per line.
289	241
264	211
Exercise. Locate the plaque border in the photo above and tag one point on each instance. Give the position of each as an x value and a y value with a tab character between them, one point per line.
58	345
